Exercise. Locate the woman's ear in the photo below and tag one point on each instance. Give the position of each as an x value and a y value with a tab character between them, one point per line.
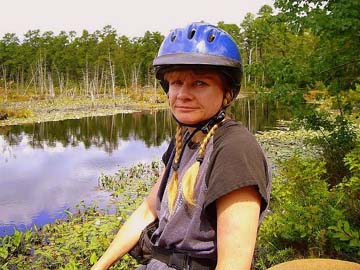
227	97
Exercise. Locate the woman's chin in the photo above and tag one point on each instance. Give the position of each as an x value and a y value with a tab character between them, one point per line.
187	120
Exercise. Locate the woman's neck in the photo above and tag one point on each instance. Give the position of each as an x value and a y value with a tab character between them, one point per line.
199	135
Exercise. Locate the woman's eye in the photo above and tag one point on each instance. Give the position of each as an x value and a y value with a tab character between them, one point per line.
176	82
200	83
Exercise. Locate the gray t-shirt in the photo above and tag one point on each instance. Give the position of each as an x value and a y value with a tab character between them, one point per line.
233	159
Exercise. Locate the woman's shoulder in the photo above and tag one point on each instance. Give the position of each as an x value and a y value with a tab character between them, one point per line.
232	131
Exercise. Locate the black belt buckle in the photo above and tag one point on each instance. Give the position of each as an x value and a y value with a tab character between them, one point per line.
179	261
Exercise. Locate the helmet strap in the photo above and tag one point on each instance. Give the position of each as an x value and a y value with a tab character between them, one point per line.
204	126
207	124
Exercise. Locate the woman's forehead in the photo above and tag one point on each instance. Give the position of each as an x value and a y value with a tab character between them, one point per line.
192	73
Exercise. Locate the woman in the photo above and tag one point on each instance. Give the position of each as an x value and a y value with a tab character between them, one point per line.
214	191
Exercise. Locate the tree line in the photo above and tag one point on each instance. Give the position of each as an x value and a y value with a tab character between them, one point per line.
304	45
66	64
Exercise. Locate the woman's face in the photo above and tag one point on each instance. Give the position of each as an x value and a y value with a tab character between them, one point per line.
194	96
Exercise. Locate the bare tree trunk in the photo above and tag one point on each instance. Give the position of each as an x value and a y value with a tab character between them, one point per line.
39	72
32	79
244	75
86	77
96	81
250	61
66	86
148	75
105	82
101	80
44	74
256	61
22	80
86	80
136	71
33	73
92	90
123	72
41	68
17	79
4	78
51	85
60	80
112	76
134	79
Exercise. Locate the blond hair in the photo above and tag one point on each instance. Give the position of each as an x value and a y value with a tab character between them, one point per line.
174	181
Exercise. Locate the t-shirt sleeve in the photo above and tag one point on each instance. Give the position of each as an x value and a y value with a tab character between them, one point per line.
237	161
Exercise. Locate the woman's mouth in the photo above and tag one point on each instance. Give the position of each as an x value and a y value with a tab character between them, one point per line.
185	108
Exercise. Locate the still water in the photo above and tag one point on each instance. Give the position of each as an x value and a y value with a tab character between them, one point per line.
46	168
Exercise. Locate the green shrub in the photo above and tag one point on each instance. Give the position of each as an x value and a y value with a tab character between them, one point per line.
345	234
308	218
338	139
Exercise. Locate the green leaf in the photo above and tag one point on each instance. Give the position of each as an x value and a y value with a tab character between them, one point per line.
17	238
344	237
347	228
354	243
93	258
67	211
4	267
4	252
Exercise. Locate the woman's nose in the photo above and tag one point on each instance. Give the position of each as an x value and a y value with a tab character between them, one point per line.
184	92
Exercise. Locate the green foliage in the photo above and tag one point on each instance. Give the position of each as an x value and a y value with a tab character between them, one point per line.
299	198
345	233
351	99
335	59
309	219
348	238
338	138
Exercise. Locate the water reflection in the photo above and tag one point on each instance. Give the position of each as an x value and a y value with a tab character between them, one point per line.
104	132
48	167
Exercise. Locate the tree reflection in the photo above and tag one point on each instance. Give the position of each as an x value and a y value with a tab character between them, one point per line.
152	127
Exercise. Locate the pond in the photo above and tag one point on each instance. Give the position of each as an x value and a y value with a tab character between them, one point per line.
47	168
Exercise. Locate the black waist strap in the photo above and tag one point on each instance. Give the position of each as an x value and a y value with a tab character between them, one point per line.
182	261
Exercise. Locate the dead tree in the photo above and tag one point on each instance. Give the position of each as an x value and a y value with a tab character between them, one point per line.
4	78
112	76
125	81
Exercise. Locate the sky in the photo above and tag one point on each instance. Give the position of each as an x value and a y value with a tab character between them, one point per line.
131	17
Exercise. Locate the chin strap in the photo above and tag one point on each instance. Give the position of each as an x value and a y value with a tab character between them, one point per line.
204	126
213	120
207	124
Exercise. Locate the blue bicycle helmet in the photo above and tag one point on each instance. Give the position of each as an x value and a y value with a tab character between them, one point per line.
200	44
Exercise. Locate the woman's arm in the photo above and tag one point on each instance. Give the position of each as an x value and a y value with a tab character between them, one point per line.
129	233
237	223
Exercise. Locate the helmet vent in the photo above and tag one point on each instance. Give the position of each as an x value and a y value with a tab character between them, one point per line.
211	37
173	37
192	33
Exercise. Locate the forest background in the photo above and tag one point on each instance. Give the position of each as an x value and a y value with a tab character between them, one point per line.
304	56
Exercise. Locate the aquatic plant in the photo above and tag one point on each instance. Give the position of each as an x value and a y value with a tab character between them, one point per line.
77	241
